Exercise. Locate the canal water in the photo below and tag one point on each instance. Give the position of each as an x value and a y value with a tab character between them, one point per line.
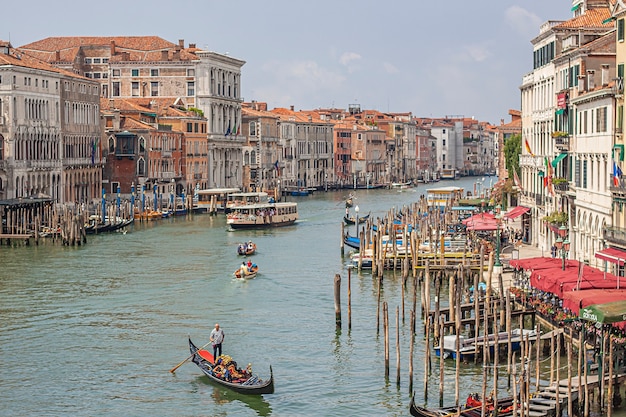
94	330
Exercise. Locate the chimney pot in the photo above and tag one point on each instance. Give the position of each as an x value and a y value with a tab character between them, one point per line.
605	75
181	43
590	81
112	48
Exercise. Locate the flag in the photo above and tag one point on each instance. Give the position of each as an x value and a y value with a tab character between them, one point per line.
528	147
235	129
617	174
227	130
547	180
94	145
239	130
516	180
277	168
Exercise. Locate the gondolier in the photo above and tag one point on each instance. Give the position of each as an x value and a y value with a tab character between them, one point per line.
217	337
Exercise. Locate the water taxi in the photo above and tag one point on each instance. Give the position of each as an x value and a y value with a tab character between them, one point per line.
256	211
443	196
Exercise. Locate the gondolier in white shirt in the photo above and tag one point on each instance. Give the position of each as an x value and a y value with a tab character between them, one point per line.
217	337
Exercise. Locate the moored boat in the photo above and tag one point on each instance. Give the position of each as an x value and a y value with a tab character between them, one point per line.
472	407
468	347
228	375
352	220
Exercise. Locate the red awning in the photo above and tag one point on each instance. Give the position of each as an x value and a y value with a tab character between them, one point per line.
575	300
612	255
515	212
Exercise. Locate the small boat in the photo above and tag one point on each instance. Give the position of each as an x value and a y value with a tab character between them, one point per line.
352	220
241	381
473	404
302	192
401	185
470	346
246	249
349	202
418	411
248	273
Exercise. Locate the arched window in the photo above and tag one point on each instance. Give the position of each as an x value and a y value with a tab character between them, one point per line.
246	158
142	144
111	145
141	167
253	157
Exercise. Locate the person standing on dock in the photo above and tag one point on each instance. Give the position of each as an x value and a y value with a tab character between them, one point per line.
217	337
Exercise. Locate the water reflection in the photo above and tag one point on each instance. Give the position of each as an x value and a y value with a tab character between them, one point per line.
255	402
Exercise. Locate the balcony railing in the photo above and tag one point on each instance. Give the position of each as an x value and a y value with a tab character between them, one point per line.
562	187
562	143
616	235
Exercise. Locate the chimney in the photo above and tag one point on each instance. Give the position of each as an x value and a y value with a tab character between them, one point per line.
164	55
112	48
181	43
291	108
581	84
57	56
590	81
605	75
126	56
192	46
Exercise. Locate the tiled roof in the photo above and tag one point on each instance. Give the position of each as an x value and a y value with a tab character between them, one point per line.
592	18
161	106
138	48
18	58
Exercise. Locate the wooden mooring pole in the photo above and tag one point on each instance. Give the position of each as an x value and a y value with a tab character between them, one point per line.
338	301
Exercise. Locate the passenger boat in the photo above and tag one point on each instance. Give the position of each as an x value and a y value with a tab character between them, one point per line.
469	346
245	381
352	220
246	249
472	408
443	197
262	214
249	273
401	185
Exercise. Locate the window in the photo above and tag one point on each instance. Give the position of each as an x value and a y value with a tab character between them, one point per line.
97	75
154	89
116	72
620	30
189	127
154	72
105	75
134	72
116	89
97	60
191	89
88	75
135	88
252	129
601	119
105	60
142	144
88	61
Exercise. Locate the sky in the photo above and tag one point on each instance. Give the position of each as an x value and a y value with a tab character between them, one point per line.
431	58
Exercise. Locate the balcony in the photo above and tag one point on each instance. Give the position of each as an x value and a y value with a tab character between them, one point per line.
614	235
619	191
561	185
562	142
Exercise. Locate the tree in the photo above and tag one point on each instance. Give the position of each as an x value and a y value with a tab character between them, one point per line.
512	150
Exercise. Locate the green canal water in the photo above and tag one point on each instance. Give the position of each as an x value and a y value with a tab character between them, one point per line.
94	330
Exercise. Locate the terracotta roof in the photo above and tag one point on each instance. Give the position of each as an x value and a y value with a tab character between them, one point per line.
18	58
592	18
138	48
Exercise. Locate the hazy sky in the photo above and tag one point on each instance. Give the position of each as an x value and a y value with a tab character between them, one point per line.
432	58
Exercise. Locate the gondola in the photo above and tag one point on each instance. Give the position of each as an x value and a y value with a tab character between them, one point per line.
418	411
248	384
471	407
352	220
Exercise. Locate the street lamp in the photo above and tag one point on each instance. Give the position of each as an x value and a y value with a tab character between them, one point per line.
562	245
498	220
356	223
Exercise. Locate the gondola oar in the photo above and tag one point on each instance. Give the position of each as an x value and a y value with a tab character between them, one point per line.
189	357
